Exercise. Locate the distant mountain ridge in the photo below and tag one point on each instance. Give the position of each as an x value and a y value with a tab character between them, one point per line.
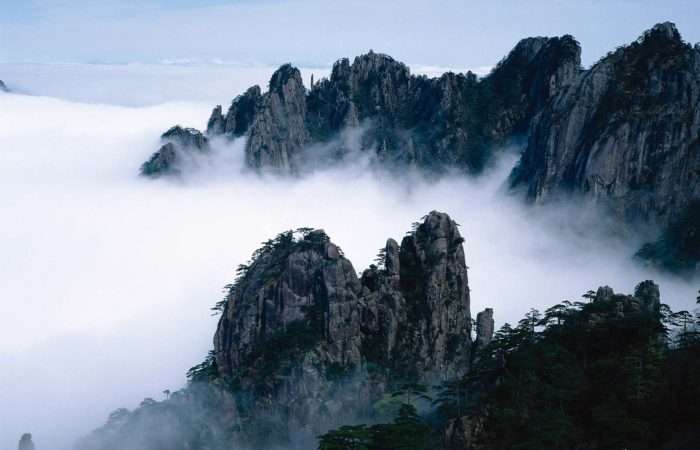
433	123
624	134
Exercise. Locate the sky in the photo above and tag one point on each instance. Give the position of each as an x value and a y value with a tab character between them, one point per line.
451	33
106	279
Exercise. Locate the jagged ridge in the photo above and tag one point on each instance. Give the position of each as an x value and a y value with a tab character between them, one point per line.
433	123
304	344
626	134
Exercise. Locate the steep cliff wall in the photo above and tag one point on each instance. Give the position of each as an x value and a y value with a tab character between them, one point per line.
315	343
304	344
625	134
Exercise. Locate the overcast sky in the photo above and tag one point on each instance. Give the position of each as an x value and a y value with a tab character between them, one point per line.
460	34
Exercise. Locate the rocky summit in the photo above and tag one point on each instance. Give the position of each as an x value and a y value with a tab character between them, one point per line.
452	121
343	341
626	134
304	344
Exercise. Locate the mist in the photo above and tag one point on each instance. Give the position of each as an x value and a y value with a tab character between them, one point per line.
106	278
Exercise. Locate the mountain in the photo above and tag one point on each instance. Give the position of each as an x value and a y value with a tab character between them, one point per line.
3	88
177	143
303	344
309	355
606	373
626	134
623	134
453	121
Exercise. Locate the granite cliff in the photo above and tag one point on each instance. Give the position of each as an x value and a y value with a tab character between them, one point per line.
307	354
304	343
626	134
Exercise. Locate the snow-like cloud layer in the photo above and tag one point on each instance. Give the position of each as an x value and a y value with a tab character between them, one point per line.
106	279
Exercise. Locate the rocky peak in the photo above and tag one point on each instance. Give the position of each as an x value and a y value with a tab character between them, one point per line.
392	263
665	32
378	83
436	124
278	131
3	88
217	121
298	308
176	142
623	134
647	292
283	76
524	81
484	328
645	301
239	116
188	137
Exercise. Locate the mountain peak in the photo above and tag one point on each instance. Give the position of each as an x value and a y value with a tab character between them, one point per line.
665	31
283	75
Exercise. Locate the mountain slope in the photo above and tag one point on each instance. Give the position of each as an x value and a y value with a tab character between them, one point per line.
304	344
626	134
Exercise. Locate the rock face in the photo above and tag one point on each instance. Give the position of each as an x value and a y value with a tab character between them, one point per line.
178	143
646	299
484	328
625	133
239	117
304	344
278	132
436	124
312	339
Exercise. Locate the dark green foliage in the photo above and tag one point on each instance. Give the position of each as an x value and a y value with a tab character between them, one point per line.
412	392
204	371
591	377
597	375
407	432
358	437
678	249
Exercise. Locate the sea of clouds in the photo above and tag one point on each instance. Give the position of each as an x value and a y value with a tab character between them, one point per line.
106	278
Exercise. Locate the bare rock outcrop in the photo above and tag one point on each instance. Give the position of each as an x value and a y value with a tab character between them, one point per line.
484	328
625	134
433	123
178	143
318	344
